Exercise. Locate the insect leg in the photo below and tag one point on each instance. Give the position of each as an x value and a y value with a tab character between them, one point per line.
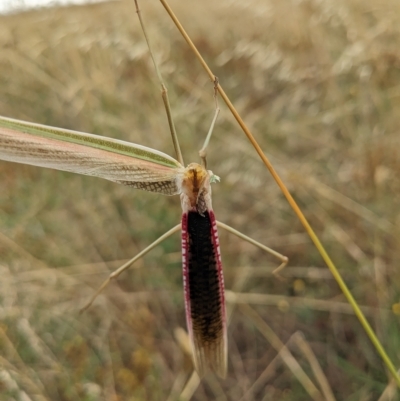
203	150
128	264
284	259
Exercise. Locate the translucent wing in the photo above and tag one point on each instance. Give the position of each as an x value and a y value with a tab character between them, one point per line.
122	162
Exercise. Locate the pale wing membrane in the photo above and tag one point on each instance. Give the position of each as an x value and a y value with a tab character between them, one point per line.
117	161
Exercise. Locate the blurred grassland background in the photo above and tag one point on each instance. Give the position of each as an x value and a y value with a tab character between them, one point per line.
318	83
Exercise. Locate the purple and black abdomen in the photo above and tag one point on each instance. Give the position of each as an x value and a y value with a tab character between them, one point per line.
204	287
204	291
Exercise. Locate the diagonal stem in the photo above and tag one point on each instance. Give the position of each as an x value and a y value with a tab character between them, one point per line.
374	339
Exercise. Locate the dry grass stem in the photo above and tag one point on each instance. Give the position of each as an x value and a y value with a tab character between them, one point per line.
317	83
283	351
391	391
319	374
284	303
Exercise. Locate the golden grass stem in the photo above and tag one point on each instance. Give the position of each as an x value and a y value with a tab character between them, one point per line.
190	387
374	339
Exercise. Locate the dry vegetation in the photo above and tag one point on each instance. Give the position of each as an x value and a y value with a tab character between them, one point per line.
318	83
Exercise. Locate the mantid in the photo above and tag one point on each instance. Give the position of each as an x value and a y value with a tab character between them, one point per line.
148	169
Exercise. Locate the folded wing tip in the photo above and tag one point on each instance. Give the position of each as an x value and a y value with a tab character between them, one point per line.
212	356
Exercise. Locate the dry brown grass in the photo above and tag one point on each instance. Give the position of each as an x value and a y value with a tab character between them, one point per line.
318	83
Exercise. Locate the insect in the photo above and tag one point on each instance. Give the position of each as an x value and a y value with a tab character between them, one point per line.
147	169
60	125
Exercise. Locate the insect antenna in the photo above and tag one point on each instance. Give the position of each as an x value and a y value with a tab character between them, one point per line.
164	91
203	150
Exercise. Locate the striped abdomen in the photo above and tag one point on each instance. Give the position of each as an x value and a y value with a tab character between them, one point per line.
204	291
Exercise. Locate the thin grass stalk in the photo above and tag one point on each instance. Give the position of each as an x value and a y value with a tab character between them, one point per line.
287	357
374	339
319	374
